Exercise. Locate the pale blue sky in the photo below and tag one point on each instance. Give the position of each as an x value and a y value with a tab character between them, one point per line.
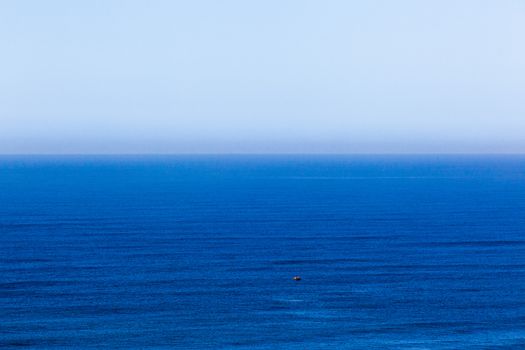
262	76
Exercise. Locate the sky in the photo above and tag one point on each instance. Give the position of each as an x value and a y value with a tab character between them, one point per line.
272	76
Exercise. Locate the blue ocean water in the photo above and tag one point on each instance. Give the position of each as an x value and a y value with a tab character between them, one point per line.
198	252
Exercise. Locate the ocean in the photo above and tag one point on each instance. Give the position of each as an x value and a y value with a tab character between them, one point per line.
199	252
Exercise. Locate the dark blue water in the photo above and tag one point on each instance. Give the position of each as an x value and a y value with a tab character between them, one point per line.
186	252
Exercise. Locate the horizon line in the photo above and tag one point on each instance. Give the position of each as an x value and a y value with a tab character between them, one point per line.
273	154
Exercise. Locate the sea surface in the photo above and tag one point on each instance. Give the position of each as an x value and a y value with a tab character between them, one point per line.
199	252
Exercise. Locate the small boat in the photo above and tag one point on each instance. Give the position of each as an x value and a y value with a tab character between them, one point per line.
296	278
